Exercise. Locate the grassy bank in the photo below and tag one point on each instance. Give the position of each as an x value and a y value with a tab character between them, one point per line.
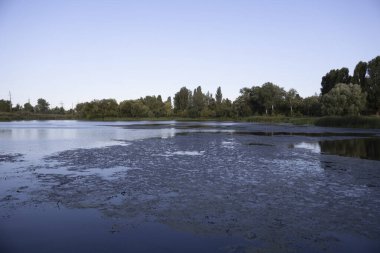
337	121
6	116
349	121
281	119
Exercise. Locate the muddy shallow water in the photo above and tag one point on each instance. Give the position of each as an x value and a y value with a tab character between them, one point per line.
70	186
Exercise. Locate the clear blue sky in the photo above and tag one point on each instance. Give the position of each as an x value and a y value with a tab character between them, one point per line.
75	50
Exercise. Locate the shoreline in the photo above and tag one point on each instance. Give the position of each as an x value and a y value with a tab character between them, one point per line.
365	122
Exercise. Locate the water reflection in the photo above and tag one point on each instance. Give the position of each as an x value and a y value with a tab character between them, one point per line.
36	140
365	148
314	147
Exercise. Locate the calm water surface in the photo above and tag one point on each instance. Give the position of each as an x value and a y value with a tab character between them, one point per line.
72	186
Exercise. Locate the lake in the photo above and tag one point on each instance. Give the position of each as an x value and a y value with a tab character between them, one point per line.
76	186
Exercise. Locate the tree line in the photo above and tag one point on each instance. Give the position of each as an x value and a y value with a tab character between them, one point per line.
41	107
362	92
341	94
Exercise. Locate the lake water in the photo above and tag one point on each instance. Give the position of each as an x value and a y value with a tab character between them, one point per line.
74	186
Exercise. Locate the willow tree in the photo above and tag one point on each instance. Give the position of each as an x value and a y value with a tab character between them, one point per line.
271	95
293	99
344	99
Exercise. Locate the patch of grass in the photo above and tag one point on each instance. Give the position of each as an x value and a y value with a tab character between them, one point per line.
6	116
281	119
349	121
260	119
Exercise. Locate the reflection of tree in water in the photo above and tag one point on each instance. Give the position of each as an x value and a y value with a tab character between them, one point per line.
270	194
367	148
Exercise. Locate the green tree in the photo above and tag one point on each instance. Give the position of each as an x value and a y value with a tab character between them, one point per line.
198	102
218	96
256	100
58	110
155	105
98	109
138	109
125	108
106	108
271	96
17	108
210	101
182	100
333	77
344	99
5	105
226	109
373	87
359	76
293	99
311	106
150	106
241	106
168	107
28	107
42	106
84	110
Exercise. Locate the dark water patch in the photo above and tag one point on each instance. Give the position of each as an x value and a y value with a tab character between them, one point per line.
327	165
347	243
8	198
364	148
100	235
260	144
309	134
184	133
11	157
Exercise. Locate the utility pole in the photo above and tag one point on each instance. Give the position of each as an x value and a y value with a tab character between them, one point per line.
10	101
